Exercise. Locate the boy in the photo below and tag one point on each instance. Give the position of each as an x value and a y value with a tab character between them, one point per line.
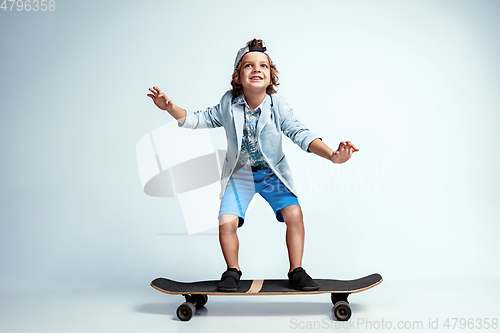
253	118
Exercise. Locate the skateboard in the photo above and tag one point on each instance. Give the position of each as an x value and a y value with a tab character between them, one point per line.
196	293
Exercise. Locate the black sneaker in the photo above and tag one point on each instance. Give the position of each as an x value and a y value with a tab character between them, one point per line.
300	280
229	280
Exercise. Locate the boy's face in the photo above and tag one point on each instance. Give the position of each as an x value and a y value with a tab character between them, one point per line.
255	72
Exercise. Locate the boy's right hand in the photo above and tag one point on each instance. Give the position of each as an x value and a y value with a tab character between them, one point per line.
160	99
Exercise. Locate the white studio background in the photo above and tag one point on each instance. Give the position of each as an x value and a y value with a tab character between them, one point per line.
412	83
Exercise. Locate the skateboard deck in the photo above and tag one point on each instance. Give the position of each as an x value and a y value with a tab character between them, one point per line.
196	292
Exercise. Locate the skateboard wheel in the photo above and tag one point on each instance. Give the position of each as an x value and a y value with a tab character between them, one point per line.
203	299
342	311
199	300
186	311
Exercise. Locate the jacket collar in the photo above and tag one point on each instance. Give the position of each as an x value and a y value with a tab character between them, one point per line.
265	113
240	100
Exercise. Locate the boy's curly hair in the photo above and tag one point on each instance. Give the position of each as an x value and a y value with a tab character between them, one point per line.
271	89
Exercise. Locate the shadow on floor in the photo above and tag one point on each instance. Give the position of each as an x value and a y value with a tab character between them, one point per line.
249	309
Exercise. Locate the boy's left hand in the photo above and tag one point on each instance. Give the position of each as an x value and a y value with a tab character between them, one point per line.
344	153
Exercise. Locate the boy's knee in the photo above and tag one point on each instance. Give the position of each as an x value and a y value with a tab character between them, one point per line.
228	223
292	214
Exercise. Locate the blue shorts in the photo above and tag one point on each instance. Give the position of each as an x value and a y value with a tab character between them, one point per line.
243	185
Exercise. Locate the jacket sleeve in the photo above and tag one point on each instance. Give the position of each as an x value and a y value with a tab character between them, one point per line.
211	117
208	118
293	128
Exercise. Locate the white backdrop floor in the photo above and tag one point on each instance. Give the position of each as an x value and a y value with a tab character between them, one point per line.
428	306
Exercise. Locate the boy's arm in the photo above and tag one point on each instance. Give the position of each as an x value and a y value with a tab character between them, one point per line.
318	147
178	113
209	118
164	103
343	154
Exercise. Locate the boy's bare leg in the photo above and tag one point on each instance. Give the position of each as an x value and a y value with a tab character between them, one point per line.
297	276
228	224
295	234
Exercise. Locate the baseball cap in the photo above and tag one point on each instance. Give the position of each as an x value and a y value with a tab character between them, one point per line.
245	50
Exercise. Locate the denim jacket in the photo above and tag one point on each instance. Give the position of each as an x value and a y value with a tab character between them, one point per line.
276	117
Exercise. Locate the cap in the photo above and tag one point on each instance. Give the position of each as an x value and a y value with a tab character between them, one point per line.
247	49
